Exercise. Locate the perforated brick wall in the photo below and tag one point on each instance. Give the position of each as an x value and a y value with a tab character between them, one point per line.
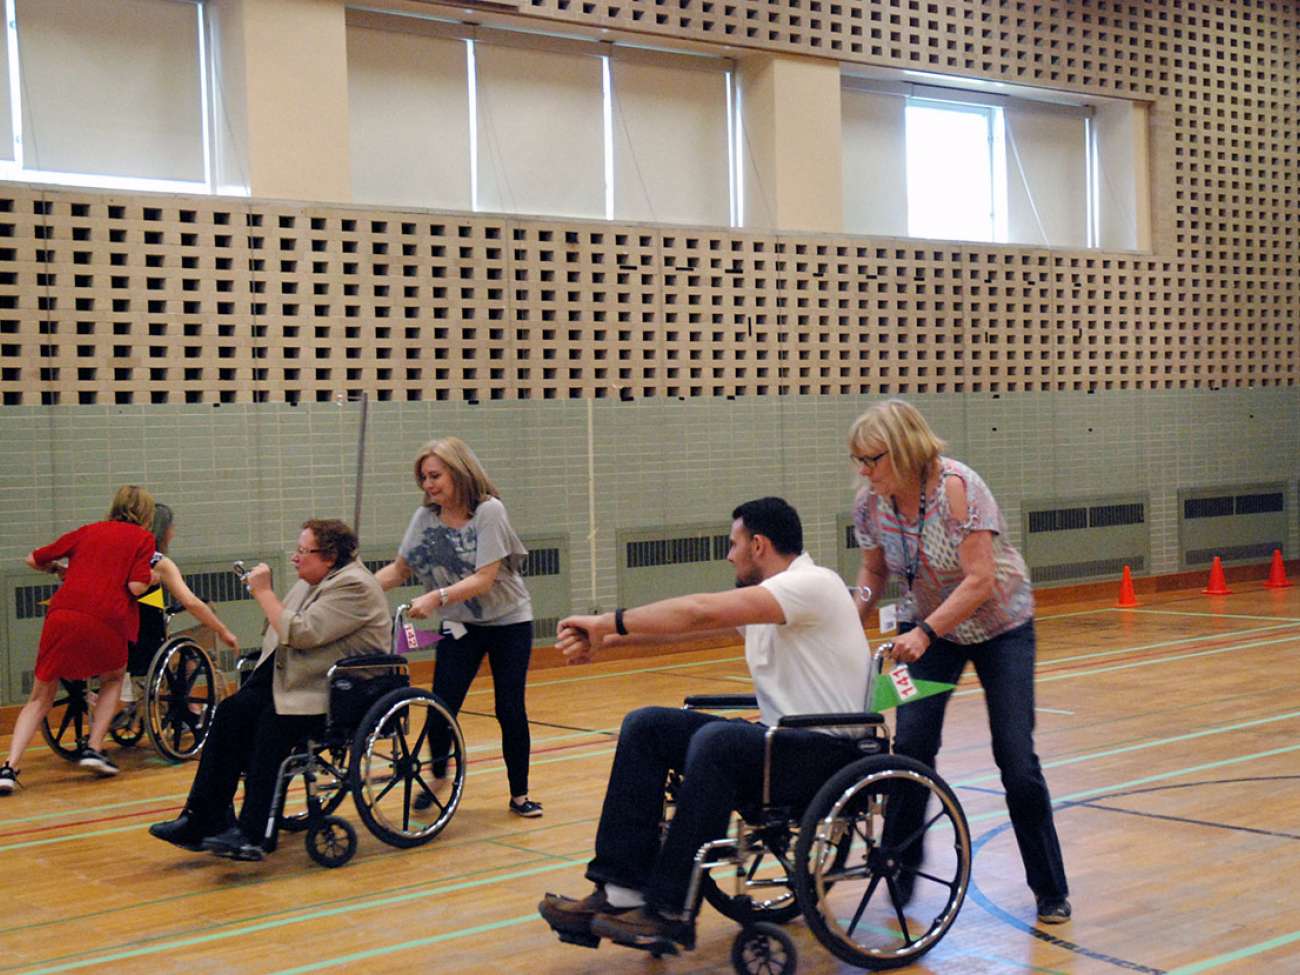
140	299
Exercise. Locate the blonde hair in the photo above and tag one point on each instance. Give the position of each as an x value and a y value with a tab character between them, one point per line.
899	425
132	504
472	484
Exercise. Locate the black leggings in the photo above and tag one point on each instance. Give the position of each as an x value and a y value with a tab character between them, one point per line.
508	649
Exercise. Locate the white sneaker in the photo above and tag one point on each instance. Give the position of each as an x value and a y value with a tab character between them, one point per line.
97	762
8	779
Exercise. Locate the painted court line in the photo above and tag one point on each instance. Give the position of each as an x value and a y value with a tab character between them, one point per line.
386	901
1217	616
142	951
608	749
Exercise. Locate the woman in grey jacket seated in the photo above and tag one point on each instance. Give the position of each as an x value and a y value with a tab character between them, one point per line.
335	610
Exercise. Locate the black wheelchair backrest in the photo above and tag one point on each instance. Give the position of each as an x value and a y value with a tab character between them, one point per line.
358	682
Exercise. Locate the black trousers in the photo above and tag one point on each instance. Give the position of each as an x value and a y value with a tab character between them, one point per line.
247	737
508	648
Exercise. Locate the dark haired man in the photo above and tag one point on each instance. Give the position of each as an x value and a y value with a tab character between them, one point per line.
806	652
336	609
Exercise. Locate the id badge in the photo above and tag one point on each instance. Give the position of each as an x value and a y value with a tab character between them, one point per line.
889	618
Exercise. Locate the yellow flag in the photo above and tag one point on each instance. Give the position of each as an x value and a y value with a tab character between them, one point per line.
153	598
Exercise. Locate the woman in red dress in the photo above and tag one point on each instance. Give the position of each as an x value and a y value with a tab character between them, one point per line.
89	621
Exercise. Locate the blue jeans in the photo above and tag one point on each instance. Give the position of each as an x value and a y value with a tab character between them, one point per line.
721	763
1005	666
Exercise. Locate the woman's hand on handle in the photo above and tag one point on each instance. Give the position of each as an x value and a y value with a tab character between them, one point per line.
909	647
422	607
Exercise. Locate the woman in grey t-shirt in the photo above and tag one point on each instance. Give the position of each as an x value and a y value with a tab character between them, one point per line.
461	547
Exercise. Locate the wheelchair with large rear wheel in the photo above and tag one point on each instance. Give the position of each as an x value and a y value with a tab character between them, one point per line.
385	743
174	702
874	899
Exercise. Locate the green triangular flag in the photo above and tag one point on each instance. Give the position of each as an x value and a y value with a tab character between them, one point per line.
891	689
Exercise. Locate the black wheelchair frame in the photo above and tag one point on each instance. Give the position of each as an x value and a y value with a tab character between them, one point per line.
174	704
375	747
873	899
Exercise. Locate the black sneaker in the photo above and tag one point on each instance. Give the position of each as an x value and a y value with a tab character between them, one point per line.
8	779
97	762
1053	910
184	831
528	809
234	845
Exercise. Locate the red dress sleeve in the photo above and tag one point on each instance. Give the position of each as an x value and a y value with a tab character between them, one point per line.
60	547
140	570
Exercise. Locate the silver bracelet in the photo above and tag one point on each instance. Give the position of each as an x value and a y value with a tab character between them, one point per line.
442	597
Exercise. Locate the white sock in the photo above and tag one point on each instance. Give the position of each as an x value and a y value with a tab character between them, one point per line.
623	896
128	690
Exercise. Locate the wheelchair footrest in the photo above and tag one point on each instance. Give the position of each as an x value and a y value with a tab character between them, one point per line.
583	940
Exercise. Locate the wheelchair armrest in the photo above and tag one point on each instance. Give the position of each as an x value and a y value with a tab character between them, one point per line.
720	701
247	661
847	719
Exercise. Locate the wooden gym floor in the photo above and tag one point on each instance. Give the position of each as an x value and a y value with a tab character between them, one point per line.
1170	735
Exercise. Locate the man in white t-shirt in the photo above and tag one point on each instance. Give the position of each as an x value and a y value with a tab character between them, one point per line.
806	652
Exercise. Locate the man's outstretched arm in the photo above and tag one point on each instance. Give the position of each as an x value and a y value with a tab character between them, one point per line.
697	615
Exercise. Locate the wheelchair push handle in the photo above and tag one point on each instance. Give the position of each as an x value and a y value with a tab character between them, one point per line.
399	628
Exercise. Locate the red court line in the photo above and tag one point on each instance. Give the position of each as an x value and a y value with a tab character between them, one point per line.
125	816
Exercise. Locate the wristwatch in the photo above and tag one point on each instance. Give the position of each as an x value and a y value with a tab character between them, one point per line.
927	629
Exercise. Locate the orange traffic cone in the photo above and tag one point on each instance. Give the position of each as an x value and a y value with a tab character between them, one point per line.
1277	573
1218	584
1127	598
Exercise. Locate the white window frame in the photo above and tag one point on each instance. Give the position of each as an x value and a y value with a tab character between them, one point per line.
16	170
995	129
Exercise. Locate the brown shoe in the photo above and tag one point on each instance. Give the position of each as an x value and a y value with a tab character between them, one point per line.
646	929
568	916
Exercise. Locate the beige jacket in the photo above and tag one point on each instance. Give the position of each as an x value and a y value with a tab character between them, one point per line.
343	615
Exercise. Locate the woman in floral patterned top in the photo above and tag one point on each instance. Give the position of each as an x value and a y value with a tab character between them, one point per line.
932	522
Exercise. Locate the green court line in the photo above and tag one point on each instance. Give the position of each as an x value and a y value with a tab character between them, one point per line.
1145	780
1188	612
408	945
1143	746
607	749
671	667
533	871
1174	658
270	925
1181	641
1207	964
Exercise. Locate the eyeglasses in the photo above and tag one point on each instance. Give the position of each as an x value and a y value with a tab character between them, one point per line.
869	462
305	551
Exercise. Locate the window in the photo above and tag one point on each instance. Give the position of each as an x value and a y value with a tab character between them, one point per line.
956	171
992	162
105	93
494	120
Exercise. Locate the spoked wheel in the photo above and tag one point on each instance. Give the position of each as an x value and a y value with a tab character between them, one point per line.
763	949
128	724
407	746
180	698
764	891
66	727
332	842
850	871
331	771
